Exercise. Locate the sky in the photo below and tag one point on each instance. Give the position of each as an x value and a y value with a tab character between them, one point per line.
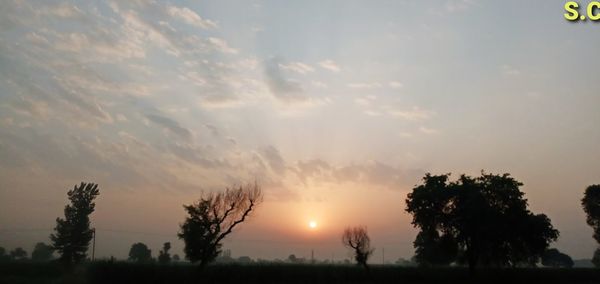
336	108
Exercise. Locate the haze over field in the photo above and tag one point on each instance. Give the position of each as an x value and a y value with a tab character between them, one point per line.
336	108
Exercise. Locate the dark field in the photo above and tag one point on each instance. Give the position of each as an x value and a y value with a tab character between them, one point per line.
120	272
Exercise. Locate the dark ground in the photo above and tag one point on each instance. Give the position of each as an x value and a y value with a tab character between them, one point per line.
121	272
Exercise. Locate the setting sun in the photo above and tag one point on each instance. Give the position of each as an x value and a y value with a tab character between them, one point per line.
312	224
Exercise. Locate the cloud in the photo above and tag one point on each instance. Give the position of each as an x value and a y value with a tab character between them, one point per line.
284	89
190	17
374	85
297	67
330	65
365	100
370	172
319	84
170	125
63	10
510	70
395	85
273	159
221	45
415	113
213	129
426	130
453	6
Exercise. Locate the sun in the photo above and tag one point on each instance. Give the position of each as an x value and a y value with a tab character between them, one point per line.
312	224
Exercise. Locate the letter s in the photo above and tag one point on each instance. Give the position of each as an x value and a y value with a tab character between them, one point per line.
571	8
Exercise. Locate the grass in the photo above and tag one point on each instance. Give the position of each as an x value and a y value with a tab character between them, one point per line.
123	272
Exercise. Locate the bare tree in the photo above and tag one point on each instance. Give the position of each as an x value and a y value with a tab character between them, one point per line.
213	217
358	240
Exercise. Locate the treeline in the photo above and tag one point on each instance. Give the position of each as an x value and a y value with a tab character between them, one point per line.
481	221
41	252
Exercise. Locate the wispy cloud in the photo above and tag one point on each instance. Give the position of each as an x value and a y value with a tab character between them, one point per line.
190	17
330	65
297	67
362	85
414	113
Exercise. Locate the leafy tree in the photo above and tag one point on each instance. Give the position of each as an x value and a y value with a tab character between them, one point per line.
73	234
591	206
554	258
429	204
18	254
358	240
214	217
42	252
163	256
480	221
140	252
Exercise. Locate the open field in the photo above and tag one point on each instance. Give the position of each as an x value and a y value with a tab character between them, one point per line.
121	272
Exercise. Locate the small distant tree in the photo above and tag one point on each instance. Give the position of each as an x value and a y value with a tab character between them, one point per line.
139	252
358	240
214	217
176	257
554	258
163	256
73	233
18	254
42	252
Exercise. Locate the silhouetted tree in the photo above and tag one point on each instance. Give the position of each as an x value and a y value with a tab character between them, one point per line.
18	254
554	258
3	255
485	217
140	252
163	256
73	234
596	258
591	206
213	217
433	249
358	240
42	252
176	257
434	245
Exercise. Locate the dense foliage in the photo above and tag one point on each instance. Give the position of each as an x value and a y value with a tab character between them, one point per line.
479	221
73	233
